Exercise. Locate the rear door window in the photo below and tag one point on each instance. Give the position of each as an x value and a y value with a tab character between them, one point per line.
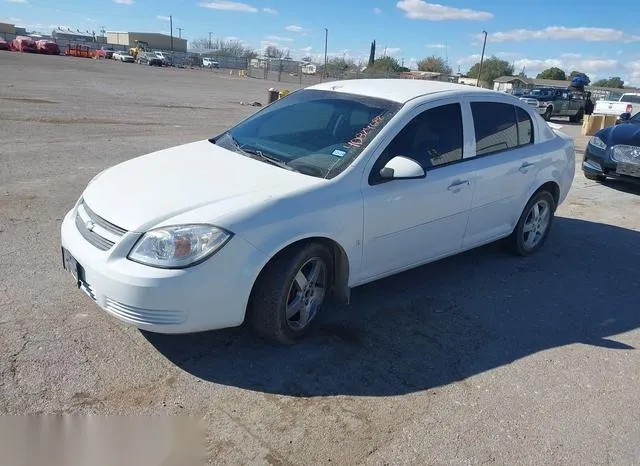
496	129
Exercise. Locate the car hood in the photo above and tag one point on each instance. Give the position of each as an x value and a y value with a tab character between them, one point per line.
625	133
142	192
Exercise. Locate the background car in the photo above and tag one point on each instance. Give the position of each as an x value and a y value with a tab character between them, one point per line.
210	63
124	57
149	58
614	151
328	188
48	47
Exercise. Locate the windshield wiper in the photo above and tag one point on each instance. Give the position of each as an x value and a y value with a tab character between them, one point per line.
262	156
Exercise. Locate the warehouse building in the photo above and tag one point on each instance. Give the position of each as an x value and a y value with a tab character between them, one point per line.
156	41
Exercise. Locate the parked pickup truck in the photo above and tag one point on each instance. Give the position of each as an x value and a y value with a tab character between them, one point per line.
628	103
551	102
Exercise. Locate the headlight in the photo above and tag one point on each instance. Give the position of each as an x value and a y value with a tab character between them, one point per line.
179	246
597	142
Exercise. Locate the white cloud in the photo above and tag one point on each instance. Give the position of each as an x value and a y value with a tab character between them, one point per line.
435	46
163	18
377	11
17	1
389	51
271	11
419	9
470	60
279	39
228	6
295	28
596	68
123	2
587	34
633	74
306	50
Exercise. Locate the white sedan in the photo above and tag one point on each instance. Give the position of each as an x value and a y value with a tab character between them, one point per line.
326	189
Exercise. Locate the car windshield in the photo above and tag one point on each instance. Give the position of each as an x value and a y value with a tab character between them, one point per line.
315	132
540	93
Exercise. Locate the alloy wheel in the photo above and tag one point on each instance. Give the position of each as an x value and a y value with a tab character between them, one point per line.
536	224
306	293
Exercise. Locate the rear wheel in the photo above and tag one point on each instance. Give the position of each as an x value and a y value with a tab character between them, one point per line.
290	293
534	224
577	117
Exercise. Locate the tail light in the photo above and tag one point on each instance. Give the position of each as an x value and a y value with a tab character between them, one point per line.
629	108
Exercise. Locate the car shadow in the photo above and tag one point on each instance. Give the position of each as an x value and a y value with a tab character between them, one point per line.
623	186
442	322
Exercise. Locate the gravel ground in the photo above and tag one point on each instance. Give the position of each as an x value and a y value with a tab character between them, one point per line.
478	358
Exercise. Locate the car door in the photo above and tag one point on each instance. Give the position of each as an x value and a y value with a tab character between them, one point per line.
505	164
411	221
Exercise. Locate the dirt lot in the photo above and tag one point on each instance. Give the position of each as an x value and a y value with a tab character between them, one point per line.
475	359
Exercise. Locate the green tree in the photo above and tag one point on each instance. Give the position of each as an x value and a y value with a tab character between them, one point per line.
386	65
614	82
553	73
435	64
575	74
372	53
492	68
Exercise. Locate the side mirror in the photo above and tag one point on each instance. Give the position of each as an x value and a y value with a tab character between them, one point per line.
402	168
623	117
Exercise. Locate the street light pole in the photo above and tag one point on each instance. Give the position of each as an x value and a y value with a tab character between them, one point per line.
171	27
482	58
326	40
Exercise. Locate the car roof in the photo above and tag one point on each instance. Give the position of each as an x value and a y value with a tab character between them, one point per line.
396	89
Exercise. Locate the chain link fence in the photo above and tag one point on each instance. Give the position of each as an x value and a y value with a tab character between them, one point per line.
289	71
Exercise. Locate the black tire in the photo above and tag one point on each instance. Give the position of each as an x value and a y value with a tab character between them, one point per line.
547	114
267	310
592	177
577	117
515	242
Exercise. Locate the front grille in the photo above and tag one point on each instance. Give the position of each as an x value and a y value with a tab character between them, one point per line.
144	316
96	230
93	238
102	222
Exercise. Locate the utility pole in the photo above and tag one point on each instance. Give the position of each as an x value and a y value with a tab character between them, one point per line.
482	58
179	33
210	40
326	41
171	26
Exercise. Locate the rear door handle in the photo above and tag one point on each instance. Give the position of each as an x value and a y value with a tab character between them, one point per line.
524	168
457	185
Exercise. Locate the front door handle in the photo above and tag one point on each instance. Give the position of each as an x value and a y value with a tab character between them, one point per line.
457	185
524	168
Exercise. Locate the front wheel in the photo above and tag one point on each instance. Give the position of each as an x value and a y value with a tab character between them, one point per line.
534	224
547	114
594	177
290	293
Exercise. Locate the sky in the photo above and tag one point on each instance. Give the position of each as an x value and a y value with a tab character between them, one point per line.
533	35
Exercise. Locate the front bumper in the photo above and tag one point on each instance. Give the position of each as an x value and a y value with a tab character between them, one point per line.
599	162
208	296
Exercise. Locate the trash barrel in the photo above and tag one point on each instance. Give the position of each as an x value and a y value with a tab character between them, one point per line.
273	95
